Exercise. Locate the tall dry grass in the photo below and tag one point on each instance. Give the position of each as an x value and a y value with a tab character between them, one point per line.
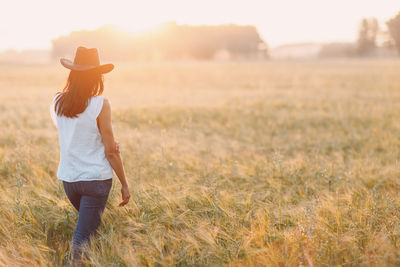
235	164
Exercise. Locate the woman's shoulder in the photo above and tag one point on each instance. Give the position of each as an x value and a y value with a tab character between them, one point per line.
100	103
102	100
53	114
56	96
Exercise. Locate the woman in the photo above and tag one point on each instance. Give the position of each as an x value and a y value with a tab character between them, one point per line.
88	152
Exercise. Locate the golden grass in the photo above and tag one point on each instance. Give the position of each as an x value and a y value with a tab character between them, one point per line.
230	164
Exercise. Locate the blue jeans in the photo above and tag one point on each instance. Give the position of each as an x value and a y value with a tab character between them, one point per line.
89	198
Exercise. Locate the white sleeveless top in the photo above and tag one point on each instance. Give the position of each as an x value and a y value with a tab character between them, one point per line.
82	156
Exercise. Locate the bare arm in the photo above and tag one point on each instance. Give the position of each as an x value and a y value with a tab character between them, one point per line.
111	149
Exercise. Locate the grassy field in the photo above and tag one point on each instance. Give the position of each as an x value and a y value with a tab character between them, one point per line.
230	164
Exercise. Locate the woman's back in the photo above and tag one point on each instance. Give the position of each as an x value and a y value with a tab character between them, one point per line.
82	156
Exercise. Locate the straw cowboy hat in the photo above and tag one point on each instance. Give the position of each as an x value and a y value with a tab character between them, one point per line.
86	59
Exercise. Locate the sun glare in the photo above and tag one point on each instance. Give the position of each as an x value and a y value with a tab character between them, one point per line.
139	27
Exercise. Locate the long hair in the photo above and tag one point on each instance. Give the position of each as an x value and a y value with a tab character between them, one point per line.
80	86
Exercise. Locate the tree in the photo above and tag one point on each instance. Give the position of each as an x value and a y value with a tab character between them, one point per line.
367	34
394	30
170	41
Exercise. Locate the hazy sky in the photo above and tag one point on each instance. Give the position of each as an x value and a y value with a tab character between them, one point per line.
33	23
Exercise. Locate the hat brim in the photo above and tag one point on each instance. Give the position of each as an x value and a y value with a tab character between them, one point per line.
100	68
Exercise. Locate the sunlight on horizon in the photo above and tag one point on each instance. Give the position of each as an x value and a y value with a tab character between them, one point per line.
285	21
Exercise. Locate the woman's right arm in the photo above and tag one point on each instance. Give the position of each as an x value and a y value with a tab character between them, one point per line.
111	149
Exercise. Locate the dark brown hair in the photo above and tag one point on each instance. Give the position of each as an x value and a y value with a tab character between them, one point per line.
80	86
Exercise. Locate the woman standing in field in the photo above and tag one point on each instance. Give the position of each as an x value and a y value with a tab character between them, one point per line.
88	152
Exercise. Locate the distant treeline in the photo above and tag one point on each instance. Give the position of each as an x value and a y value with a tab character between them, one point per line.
371	41
170	41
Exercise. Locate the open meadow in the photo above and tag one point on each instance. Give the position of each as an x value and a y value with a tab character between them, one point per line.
291	163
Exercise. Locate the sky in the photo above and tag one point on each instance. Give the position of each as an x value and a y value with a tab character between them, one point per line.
32	24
